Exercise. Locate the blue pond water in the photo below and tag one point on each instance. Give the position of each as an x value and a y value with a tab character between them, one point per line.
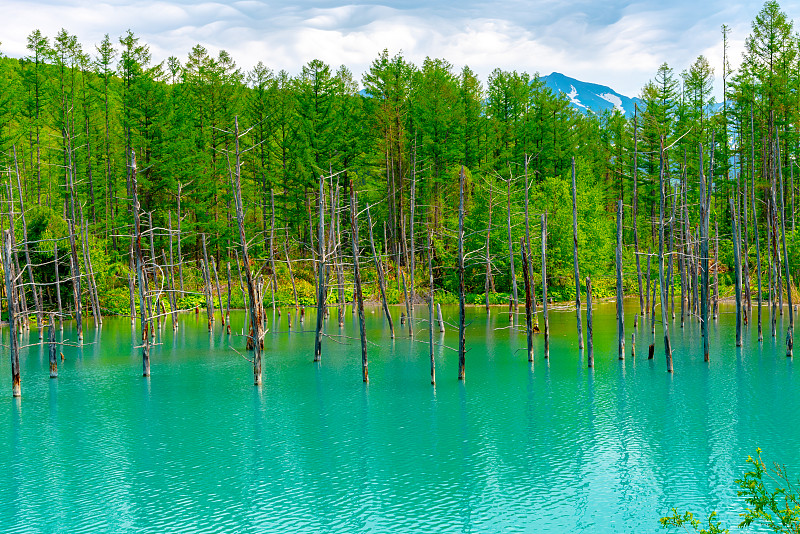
552	447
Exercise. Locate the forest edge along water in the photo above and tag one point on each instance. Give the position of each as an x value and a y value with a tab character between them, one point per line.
108	159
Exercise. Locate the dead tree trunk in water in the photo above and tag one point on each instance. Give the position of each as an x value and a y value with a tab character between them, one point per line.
51	345
172	278
228	312
526	276
575	257
544	287
140	276
76	268
635	210
36	300
207	284
289	267
704	205
256	322
411	259
180	255
320	272
271	248
409	306
486	283
790	329
357	277
94	299
58	283
381	280
661	286
716	268
738	274
511	249
173	301
589	332
154	312
10	275
620	311
339	267
430	310
131	283
758	256
461	311
219	293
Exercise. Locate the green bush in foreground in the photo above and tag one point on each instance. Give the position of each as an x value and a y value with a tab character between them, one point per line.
772	502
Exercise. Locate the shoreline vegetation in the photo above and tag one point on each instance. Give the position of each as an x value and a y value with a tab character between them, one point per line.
139	188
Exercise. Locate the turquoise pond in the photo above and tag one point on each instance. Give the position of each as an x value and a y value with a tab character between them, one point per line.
552	447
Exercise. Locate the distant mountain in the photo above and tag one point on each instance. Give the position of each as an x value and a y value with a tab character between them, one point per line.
590	97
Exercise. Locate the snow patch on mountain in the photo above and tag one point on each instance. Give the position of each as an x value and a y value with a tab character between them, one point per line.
573	97
614	99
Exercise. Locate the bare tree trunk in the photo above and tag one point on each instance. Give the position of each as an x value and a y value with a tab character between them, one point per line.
544	287
22	311
439	319
170	291
738	274
704	255
58	283
662	287
589	333
131	283
758	256
339	268
461	311
620	311
180	255
790	330
140	276
528	241
320	272
526	276
291	273
430	308
635	212
36	301
647	287
357	277
93	297
411	258
486	283
207	284
575	257
271	248
51	331
511	249
10	275
154	259
381	280
76	268
219	293
716	267
256	323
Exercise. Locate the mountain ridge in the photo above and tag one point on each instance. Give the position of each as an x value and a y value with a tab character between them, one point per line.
589	97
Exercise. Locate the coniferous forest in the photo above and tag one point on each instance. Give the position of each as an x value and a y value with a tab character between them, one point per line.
75	116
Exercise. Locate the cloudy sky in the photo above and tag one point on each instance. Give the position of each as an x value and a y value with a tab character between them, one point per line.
617	43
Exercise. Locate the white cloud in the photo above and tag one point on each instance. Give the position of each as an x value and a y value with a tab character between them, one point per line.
620	44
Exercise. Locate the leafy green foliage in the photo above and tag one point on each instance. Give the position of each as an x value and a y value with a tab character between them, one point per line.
771	498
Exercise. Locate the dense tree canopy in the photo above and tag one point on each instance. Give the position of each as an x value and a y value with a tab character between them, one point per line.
66	109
